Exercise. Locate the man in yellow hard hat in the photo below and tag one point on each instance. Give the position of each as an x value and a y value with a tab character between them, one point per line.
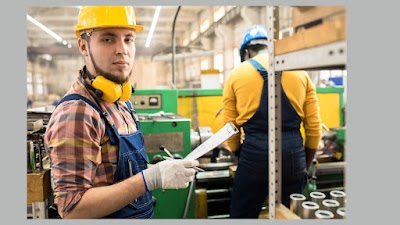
93	138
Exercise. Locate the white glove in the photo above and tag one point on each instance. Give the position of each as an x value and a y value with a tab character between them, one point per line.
170	174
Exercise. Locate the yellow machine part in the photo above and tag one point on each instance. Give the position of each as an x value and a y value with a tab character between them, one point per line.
201	203
200	109
329	104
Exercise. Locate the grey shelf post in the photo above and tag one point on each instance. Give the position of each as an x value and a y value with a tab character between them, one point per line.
274	125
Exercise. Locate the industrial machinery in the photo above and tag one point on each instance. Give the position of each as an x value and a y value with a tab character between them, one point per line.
173	132
153	101
209	195
39	197
213	187
37	120
161	126
330	172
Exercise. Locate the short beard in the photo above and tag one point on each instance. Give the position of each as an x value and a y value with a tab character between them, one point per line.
109	76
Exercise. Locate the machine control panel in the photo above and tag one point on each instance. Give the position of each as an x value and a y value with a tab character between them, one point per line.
146	101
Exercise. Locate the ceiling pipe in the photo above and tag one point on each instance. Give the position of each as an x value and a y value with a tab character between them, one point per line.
184	55
173	47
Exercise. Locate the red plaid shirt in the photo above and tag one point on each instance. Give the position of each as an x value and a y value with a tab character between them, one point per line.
79	148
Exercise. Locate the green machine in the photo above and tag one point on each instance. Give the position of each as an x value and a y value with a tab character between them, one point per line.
162	126
331	167
155	100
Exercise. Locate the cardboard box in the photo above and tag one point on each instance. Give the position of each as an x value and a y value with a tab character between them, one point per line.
38	186
302	15
329	32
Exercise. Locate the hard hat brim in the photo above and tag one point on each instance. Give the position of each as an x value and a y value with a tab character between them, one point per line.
79	29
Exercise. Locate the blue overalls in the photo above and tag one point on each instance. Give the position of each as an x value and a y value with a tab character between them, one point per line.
132	159
250	185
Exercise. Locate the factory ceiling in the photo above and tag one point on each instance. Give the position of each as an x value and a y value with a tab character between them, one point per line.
62	19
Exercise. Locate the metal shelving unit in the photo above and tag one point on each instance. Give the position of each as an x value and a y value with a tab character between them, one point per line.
332	55
327	56
274	132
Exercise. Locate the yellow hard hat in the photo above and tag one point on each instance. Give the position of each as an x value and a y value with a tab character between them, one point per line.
91	17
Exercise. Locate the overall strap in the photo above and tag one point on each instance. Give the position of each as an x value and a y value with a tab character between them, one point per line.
259	67
132	111
103	114
129	105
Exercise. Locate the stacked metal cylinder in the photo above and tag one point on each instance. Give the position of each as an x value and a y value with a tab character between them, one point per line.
319	206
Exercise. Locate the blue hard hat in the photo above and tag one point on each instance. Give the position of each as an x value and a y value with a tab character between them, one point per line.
254	32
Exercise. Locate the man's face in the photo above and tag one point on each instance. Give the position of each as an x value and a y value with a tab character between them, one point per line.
111	53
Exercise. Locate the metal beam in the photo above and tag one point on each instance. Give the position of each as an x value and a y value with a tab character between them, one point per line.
53	50
326	56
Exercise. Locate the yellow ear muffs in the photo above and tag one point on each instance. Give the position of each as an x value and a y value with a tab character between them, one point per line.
111	90
126	91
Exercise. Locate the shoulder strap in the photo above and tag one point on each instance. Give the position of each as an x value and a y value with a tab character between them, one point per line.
132	112
129	105
259	67
80	97
103	114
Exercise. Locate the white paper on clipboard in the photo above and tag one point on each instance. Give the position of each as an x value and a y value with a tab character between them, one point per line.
222	135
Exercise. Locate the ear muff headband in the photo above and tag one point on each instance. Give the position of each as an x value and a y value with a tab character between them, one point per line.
98	92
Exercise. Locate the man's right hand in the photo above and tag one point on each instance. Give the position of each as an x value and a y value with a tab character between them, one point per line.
170	174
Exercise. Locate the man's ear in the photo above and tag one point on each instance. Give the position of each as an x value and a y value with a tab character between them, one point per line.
82	45
246	54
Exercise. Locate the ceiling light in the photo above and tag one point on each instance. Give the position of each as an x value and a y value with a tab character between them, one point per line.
153	26
47	30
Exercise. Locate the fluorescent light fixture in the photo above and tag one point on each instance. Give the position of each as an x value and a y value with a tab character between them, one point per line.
153	26
43	27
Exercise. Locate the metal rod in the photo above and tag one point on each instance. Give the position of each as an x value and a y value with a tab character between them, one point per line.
188	198
173	46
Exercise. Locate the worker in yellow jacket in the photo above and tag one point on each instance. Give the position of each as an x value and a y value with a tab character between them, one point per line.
245	103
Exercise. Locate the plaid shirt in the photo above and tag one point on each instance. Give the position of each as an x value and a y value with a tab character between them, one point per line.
79	148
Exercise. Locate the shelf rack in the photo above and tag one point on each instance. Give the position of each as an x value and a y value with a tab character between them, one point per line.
331	55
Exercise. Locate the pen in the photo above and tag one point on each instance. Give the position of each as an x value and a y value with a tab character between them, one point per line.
198	169
171	157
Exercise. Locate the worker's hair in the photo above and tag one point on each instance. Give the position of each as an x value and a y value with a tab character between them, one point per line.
256	48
